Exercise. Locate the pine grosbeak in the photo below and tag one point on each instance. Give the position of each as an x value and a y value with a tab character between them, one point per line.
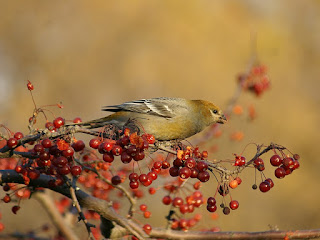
165	118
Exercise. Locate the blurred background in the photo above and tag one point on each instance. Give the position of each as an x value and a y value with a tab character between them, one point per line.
87	54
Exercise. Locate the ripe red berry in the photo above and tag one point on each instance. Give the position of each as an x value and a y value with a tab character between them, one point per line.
234	204
202	166
77	120
143	177
18	135
58	122
116	150
174	171
239	180
78	145
153	175
280	172
50	126
269	180
38	148
157	164
68	152
139	155
108	157
33	174
147	228
166	200
212	208
133	176
76	170
184	172
203	176
6	198
116	180
60	161
143	207
276	160
46	143
165	165
94	143
190	163
177	201
211	201
125	157
134	184
288	162
264	186
12	143
64	170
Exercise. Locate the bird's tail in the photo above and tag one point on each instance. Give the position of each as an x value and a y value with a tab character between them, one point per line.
92	123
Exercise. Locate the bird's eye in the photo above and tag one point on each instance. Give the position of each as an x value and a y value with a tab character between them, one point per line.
215	111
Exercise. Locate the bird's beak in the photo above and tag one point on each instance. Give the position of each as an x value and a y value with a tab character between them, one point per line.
222	119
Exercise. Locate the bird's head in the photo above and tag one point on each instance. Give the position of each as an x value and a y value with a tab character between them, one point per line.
213	113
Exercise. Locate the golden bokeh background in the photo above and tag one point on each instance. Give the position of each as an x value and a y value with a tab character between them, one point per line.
87	54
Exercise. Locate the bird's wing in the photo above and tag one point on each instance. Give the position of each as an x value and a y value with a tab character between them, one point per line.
163	107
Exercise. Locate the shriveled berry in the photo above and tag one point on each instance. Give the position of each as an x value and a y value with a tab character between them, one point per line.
226	211
15	209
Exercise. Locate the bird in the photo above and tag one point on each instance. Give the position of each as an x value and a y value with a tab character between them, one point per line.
164	117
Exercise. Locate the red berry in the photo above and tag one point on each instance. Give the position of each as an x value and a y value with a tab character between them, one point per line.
152	190
143	178
60	161
177	201
269	180
264	186
143	207
190	163
174	171
276	160
125	157
94	143
166	200
288	162
133	176
78	145
116	180
77	120
108	157
33	174
76	170
18	169
116	150
12	143
165	165
58	122
239	180
184	172
211	201
6	198
68	152
153	175
50	126
234	204
157	164
64	170
203	176
147	228
30	86
212	208
280	172
18	135
46	143
38	148
134	184
194	173
202	166
139	155
296	164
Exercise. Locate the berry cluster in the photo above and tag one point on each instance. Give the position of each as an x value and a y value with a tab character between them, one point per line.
189	164
256	81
